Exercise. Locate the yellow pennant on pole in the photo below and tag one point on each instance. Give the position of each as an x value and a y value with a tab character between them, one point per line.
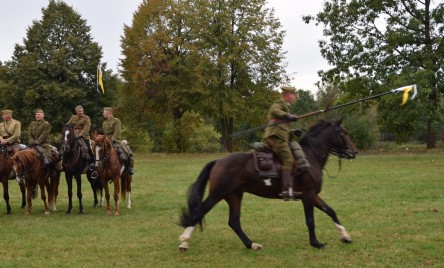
406	90
99	78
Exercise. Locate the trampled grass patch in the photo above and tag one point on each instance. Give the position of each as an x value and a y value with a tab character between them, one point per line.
392	206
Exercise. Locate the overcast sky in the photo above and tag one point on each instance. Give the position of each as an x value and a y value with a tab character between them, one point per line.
106	18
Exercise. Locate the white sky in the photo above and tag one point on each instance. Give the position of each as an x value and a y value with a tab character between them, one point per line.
106	19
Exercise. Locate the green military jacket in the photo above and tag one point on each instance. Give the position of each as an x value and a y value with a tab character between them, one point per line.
81	125
10	131
111	127
38	133
279	109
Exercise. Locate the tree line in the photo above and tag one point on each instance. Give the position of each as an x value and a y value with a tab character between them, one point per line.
195	72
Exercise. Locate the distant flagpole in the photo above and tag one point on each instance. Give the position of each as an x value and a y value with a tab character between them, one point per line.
99	79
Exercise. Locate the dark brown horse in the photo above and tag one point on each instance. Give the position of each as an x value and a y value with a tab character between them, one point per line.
110	169
6	174
235	174
75	165
29	168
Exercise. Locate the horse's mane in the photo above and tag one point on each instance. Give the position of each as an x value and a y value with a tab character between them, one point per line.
315	128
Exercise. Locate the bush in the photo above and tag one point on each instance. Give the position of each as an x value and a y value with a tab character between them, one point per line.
191	135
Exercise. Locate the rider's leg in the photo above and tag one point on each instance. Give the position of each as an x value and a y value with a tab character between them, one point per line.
282	150
301	161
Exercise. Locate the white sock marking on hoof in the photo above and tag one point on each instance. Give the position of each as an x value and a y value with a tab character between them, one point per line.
256	246
343	232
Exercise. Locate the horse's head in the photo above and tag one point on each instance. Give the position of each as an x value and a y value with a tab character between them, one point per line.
17	165
68	137
100	146
335	137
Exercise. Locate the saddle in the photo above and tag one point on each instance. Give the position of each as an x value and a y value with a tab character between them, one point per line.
265	163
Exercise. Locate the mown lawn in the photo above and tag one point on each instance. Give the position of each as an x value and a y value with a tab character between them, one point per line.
391	204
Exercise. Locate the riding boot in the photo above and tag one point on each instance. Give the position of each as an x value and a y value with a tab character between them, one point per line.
130	165
287	183
301	161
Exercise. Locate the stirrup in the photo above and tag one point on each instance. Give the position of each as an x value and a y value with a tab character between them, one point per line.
94	175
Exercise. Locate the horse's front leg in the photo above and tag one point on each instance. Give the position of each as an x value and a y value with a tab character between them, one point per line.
320	204
43	194
116	196
28	200
6	195
107	196
308	203
23	191
68	177
78	177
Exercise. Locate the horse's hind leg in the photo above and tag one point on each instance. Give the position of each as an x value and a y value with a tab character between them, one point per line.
234	202
194	219
320	204
116	196
23	191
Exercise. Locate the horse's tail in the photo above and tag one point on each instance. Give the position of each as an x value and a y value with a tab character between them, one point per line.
191	216
123	185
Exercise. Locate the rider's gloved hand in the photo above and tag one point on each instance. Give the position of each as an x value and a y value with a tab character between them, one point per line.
291	118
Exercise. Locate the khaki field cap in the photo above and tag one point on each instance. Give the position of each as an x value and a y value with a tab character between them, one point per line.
78	107
288	89
39	111
108	109
6	112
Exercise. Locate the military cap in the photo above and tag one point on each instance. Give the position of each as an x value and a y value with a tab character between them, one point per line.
78	107
108	109
288	89
39	111
6	112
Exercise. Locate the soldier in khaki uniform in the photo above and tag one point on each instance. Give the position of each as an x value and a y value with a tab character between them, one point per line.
10	130
278	137
111	127
81	124
38	134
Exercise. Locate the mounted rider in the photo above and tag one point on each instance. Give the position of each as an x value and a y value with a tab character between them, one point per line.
112	127
81	123
278	138
10	130
38	138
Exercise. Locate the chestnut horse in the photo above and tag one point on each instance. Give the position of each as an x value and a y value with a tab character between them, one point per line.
75	165
235	174
110	169
7	173
29	168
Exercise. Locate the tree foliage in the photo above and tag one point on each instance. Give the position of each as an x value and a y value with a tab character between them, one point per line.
220	59
55	69
376	46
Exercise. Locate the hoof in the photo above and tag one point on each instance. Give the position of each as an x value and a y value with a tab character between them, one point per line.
116	213
183	247
319	245
128	206
46	212
346	240
108	212
255	246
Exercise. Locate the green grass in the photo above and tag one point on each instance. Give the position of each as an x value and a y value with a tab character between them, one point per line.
392	206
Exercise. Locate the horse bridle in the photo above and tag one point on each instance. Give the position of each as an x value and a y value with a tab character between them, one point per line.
71	148
101	162
340	152
21	176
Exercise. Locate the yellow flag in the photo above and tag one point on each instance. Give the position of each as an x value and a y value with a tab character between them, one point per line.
406	90
99	78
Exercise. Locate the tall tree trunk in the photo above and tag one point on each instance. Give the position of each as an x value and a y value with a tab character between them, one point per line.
431	136
227	130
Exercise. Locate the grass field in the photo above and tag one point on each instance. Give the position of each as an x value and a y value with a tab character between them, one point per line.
391	204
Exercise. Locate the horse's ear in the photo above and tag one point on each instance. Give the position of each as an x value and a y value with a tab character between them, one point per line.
95	131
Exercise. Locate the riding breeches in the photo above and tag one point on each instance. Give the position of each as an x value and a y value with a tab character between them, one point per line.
282	150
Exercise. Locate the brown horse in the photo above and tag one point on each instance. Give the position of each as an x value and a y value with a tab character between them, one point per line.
235	174
75	165
6	174
29	168
110	169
